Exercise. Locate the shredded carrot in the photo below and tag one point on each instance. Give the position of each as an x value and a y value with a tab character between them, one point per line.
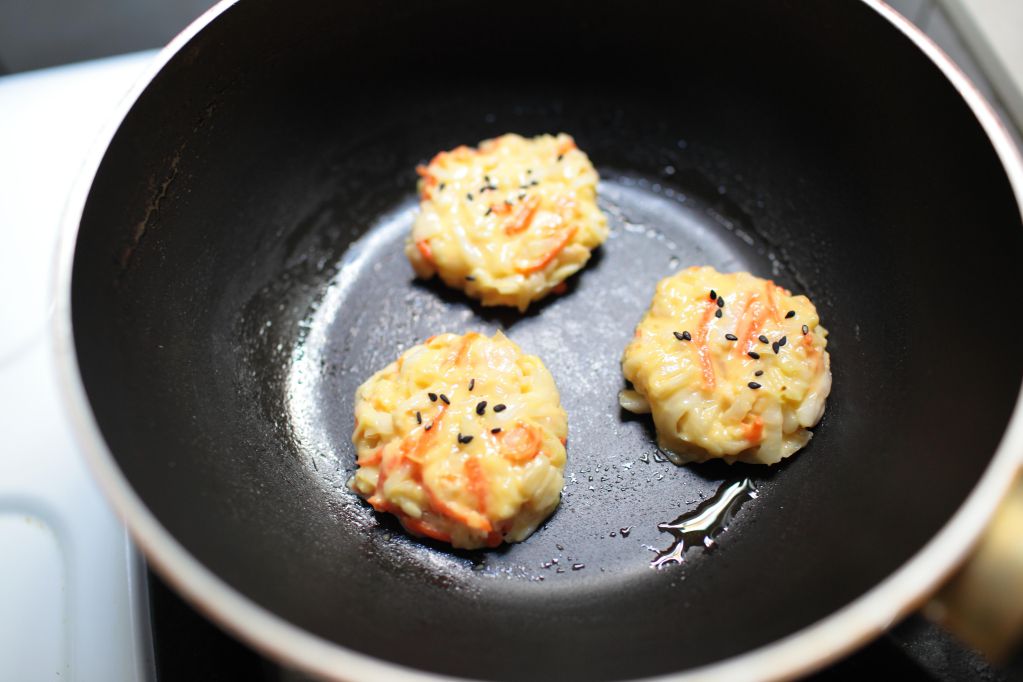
754	432
706	362
494	538
520	221
414	445
560	289
521	443
566	146
501	207
382	505
423	527
463	348
372	459
424	249
542	262
477	482
457	512
417	526
429	181
750	324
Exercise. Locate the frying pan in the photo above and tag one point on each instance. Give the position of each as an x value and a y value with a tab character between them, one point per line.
234	270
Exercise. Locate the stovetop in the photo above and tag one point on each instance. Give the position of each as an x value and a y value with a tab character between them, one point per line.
189	647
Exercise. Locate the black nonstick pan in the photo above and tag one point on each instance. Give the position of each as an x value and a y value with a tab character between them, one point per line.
234	270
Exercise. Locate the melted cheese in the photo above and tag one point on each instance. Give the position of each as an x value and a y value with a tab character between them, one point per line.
509	221
699	388
427	447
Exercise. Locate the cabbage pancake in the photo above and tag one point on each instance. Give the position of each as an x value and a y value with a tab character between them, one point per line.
507	222
463	439
731	366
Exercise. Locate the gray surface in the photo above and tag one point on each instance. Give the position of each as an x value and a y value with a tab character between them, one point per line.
934	21
38	33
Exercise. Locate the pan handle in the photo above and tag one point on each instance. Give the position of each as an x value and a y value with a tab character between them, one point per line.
983	602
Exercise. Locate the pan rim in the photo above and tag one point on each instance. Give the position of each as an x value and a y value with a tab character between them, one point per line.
799	653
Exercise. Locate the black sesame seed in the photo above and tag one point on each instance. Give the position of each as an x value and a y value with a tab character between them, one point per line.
717	313
529	171
507	202
763	339
560	157
791	313
464	439
782	341
497	430
731	337
713	294
469	196
754	385
470	278
776	347
534	183
753	354
419	418
721	301
442	185
428	426
806	330
481	407
500	407
486	179
445	399
682	336
687	336
433	397
489	211
472	384
758	373
522	196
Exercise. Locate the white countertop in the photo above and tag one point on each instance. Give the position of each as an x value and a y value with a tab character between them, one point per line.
68	574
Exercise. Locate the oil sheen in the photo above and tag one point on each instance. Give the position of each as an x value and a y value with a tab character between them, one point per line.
707	521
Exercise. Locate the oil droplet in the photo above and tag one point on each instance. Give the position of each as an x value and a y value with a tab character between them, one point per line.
702	524
578	567
625	531
560	548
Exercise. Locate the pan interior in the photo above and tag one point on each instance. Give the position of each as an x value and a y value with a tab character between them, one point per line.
239	272
374	309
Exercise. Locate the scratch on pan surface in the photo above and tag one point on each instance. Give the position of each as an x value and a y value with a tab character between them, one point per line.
140	228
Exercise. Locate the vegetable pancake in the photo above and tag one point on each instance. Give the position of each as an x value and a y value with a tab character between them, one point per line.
509	221
730	366
463	439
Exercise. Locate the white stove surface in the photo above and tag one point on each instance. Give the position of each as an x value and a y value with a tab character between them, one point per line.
69	578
